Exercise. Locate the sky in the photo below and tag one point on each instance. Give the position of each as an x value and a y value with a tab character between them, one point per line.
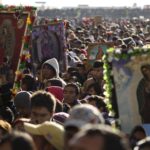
74	3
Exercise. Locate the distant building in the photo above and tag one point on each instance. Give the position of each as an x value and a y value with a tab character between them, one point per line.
83	6
146	6
40	5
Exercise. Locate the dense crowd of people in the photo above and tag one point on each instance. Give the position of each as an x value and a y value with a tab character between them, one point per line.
67	110
111	13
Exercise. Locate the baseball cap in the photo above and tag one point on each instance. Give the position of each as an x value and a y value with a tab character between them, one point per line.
83	114
53	132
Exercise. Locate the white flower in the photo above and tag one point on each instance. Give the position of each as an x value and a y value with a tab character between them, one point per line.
118	51
104	86
130	51
145	49
104	71
110	58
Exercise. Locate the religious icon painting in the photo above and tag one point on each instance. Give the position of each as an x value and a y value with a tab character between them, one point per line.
131	71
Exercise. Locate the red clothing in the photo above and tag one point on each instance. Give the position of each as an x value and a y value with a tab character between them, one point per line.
56	91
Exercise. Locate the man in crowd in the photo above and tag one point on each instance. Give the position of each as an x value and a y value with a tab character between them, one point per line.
42	107
80	115
71	94
99	137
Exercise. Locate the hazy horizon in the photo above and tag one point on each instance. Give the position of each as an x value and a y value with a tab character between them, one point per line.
75	3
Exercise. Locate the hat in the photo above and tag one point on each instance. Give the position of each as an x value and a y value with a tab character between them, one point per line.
83	114
53	132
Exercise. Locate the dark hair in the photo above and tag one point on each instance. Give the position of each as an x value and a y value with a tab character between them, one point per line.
114	140
43	99
81	65
7	114
29	81
71	69
132	138
26	71
97	64
96	87
75	86
76	76
55	82
59	106
147	66
99	102
19	141
137	128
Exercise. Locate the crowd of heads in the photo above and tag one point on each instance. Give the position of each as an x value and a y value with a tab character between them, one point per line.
57	110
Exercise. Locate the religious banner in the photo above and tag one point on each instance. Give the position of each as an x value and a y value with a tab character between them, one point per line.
12	30
15	30
48	41
95	51
131	71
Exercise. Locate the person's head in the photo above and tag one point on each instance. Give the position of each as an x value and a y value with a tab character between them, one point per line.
22	102
42	107
5	128
99	137
98	102
50	69
97	71
47	136
145	69
81	115
28	83
6	114
17	141
94	89
138	133
71	93
143	144
81	68
87	84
